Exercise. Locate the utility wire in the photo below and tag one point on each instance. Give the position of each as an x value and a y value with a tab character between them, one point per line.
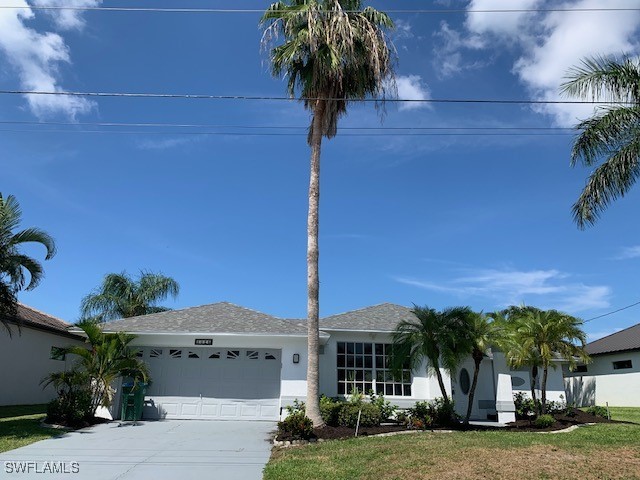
269	127
278	134
240	10
290	99
611	313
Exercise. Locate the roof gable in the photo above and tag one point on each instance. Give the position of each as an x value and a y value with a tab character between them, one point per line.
222	317
627	339
30	317
379	318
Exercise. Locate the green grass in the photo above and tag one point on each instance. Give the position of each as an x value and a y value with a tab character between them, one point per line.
591	452
20	426
625	414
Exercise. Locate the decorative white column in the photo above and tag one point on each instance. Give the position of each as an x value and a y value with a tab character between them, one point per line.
504	399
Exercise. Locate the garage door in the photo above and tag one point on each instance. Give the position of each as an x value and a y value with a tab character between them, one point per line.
213	383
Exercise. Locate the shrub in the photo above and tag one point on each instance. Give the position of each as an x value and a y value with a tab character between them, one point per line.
329	410
297	425
387	410
348	415
428	413
556	408
525	407
402	418
297	407
443	413
598	411
74	405
544	421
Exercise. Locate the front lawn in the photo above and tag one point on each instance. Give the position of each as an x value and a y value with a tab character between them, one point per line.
625	414
20	426
590	452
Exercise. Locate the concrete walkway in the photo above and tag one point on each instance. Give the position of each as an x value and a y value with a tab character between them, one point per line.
171	449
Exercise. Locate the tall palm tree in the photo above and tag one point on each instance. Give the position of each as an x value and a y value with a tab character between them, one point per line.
333	52
539	338
17	270
108	358
481	333
121	296
436	336
611	136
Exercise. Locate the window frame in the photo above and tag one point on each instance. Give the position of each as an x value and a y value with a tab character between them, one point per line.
622	364
365	365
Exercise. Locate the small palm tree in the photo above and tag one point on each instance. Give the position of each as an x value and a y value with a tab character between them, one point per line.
481	333
108	358
333	52
610	136
121	296
17	270
438	337
539	338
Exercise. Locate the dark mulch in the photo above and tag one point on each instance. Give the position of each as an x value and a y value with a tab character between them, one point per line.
87	422
562	421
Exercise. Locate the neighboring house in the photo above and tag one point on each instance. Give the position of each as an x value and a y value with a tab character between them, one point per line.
613	376
30	353
222	361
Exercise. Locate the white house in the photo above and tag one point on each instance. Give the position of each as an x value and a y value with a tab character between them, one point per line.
30	352
222	361
613	376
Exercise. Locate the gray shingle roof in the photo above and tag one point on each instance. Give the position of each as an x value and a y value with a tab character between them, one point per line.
220	317
627	339
380	318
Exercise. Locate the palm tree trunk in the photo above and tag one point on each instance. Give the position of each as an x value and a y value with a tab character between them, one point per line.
443	390
313	280
472	390
545	375
534	378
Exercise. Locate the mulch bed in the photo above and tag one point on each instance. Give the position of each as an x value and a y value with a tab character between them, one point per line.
77	425
562	421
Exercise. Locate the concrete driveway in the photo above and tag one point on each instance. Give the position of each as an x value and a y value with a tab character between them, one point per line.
171	449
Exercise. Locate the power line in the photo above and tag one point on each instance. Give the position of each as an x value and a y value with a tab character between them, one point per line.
279	134
197	96
275	127
238	10
614	311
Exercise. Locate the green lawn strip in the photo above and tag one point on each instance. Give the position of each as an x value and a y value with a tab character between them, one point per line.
21	410
370	457
20	426
625	414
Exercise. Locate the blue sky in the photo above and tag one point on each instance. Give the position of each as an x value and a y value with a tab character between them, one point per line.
436	220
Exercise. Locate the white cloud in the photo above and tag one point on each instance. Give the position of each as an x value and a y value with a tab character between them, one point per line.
543	288
447	53
36	57
629	252
166	143
411	87
67	19
548	44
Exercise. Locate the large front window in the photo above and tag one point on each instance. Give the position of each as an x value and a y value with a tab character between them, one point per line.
366	366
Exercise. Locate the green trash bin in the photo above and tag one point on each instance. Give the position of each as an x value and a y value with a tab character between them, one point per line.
132	401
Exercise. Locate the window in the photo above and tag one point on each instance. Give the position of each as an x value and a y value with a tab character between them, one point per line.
155	353
233	354
580	369
253	355
269	356
193	355
464	381
215	355
57	353
622	364
175	353
365	366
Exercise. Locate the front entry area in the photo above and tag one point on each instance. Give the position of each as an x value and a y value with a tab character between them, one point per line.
221	383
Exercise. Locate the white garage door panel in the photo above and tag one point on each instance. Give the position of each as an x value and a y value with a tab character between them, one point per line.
213	383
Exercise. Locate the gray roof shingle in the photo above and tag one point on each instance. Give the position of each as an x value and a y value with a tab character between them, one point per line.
222	317
627	339
379	318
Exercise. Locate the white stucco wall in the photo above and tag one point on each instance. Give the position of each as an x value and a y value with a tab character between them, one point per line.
601	384
25	360
484	398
